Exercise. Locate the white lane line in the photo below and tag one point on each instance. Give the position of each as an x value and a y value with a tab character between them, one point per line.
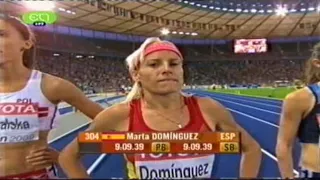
102	156
263	121
265	99
274	101
252	101
254	118
96	163
266	122
69	132
116	100
276	159
272	112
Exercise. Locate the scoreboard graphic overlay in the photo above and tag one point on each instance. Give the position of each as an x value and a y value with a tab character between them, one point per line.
159	142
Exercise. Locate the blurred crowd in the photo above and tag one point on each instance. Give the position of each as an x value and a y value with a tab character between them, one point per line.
260	72
92	75
98	66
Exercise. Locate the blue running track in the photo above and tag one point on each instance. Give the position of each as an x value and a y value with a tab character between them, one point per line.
258	116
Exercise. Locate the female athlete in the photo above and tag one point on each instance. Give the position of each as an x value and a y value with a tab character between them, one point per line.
300	118
155	104
28	105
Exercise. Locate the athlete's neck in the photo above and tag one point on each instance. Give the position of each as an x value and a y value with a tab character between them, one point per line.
12	72
163	102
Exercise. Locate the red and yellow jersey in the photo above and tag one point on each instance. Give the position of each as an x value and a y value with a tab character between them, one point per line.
173	166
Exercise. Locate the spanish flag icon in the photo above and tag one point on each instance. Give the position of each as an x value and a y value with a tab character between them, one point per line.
113	136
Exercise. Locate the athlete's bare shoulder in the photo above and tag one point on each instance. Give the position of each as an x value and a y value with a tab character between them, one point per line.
115	118
53	81
51	85
301	100
211	110
299	96
207	103
58	89
210	106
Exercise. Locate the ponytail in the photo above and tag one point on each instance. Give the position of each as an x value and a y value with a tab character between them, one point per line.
135	93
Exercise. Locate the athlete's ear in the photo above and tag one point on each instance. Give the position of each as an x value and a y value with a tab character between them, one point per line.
135	75
316	63
28	44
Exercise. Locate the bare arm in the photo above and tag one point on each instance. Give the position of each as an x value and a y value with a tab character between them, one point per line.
251	153
63	90
57	90
113	119
291	115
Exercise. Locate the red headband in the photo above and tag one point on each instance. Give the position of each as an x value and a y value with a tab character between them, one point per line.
162	47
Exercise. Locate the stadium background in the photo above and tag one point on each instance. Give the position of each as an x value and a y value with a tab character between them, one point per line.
90	40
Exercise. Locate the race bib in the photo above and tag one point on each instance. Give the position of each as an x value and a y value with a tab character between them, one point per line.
174	166
19	122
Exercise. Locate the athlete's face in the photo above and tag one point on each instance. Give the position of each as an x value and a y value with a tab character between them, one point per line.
11	43
161	73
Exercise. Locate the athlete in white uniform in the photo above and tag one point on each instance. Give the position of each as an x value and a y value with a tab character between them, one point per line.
28	106
25	113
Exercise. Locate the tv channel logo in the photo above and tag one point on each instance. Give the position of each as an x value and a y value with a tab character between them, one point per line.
40	18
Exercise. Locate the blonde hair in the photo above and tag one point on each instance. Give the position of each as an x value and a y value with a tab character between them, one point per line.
312	73
132	62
